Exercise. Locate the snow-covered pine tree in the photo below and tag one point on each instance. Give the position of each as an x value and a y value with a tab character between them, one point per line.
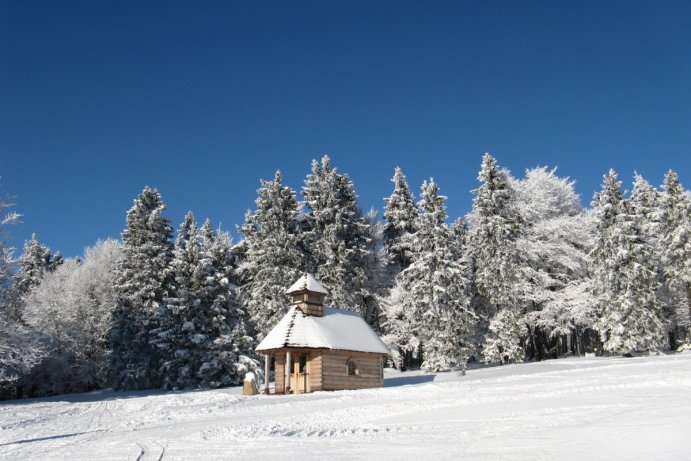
400	216
337	235
633	322
174	336
496	226
231	353
646	201
675	253
144	280
459	236
378	278
273	256
246	229
199	323
502	342
625	272
607	204
428	309
35	261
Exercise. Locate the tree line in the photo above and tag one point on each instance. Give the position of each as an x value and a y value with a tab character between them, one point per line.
528	274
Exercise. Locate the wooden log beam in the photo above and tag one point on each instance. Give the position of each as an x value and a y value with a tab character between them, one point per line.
266	374
288	372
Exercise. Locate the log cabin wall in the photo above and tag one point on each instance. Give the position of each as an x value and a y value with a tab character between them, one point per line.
335	370
328	370
315	371
279	371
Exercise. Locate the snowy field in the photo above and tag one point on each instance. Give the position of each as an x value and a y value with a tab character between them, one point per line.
579	408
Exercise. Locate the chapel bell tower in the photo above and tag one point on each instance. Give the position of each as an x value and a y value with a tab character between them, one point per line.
307	294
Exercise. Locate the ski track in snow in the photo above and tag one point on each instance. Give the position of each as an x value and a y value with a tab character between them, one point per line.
578	408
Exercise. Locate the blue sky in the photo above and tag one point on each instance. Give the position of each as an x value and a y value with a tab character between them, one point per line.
201	99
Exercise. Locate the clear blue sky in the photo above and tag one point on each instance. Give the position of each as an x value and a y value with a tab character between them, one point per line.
201	99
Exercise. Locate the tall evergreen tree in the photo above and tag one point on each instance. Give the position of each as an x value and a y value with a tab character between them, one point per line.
646	203
337	238
378	280
496	227
231	352
199	322
144	280
675	252
36	260
625	271
607	204
428	307
174	336
401	216
633	321
273	258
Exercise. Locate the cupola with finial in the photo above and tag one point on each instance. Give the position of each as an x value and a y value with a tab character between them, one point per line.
307	294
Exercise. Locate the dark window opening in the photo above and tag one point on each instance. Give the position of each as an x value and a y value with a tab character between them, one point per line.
303	363
352	368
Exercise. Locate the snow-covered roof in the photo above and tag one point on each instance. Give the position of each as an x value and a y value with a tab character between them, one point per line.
338	329
307	282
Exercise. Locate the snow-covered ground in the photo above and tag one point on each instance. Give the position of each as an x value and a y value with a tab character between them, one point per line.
579	408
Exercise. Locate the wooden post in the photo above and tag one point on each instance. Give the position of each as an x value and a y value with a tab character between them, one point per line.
266	374
288	373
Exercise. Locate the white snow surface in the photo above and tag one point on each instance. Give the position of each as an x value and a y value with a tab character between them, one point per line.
567	409
307	282
337	329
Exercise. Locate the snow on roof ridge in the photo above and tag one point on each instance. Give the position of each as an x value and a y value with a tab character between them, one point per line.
290	326
307	282
338	329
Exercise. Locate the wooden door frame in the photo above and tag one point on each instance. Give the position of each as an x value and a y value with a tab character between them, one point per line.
295	375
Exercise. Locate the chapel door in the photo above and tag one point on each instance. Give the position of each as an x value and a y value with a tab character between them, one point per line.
299	380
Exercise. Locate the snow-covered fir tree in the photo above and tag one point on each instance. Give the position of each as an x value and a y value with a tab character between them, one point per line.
626	279
400	216
495	229
502	343
33	263
675	253
144	280
647	203
174	337
607	205
428	310
273	257
337	235
36	260
376	263
459	237
202	335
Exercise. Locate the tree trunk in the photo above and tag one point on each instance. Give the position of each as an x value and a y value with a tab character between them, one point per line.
532	351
